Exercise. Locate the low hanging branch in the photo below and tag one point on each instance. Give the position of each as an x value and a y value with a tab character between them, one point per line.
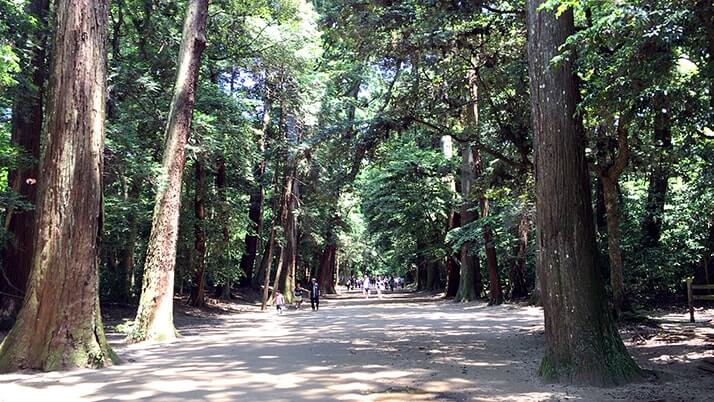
481	147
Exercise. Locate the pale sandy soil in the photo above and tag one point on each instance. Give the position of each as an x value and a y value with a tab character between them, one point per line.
400	349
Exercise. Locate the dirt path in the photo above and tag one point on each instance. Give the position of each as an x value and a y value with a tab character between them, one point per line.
355	350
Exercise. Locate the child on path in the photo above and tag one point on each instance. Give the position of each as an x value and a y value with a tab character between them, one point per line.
279	302
298	295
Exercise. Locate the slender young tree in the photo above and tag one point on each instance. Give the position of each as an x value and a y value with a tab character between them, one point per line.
60	324
609	176
582	342
27	119
154	319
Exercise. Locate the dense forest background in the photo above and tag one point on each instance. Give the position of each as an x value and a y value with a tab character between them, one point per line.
337	138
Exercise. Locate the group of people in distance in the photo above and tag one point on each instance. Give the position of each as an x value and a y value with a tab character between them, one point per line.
377	284
313	290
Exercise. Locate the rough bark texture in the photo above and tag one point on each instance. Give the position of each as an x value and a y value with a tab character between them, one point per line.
26	134
582	342
659	175
197	298
154	319
60	325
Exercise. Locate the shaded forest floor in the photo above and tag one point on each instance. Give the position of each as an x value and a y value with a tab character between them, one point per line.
405	347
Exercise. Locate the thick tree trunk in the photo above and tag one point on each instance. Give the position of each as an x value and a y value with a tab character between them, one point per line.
255	212
470	283
472	117
326	276
279	268
613	243
127	253
154	319
582	342
60	325
659	175
432	276
26	134
223	292
452	260
609	177
287	281
494	282
519	289
266	264
197	298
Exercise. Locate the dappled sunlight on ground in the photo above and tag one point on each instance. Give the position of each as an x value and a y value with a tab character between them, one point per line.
403	349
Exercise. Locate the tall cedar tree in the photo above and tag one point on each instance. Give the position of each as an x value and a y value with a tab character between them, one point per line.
154	319
27	118
582	342
60	325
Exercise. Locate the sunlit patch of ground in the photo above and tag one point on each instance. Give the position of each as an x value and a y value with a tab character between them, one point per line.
403	348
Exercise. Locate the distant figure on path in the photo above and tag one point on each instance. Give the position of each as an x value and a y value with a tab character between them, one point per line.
365	286
298	295
315	294
279	302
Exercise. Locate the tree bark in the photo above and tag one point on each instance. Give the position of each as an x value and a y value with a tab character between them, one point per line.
609	177
128	252
452	264
255	212
197	298
470	284
659	175
60	325
582	342
154	319
519	289
26	133
266	264
224	291
472	117
326	276
287	280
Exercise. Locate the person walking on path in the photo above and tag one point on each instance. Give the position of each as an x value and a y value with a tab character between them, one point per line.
279	302
298	295
365	286
315	294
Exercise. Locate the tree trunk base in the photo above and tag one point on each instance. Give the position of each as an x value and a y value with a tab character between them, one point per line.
602	370
75	347
9	308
